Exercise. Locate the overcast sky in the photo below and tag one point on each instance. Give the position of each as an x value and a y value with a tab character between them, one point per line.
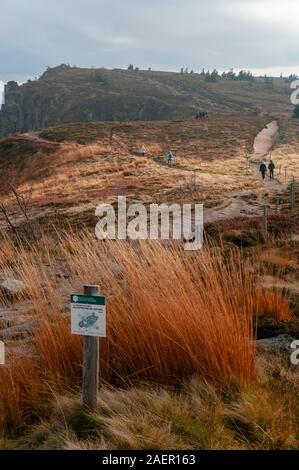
260	35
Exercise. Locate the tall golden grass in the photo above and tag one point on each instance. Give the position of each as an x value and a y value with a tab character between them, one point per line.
170	315
271	304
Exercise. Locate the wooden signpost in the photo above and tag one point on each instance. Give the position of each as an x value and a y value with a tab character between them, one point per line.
293	194
265	222
88	318
277	205
2	353
247	157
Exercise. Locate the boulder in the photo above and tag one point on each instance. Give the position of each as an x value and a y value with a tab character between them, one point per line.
11	288
278	344
17	332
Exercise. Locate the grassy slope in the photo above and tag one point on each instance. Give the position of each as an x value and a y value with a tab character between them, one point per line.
168	87
69	175
67	170
64	95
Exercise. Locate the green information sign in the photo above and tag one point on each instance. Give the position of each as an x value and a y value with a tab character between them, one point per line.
88	299
88	315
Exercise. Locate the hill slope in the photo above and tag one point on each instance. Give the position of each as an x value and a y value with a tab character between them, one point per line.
68	170
64	94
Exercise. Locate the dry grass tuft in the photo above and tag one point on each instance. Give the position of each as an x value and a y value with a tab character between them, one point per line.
23	395
59	351
198	416
270	303
278	262
7	251
171	315
168	313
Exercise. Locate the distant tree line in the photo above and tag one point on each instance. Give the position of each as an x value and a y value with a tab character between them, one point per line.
209	76
291	78
214	75
131	67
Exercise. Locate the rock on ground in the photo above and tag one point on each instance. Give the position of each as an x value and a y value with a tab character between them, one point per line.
279	344
11	288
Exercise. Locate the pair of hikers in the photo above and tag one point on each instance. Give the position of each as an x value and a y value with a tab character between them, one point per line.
202	115
263	169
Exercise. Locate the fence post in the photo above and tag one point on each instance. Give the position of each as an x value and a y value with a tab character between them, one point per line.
247	157
265	222
91	356
293	194
277	205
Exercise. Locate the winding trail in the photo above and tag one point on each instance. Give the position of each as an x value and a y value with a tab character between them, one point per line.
34	136
239	204
265	140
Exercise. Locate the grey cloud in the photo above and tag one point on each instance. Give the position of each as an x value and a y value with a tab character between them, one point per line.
159	33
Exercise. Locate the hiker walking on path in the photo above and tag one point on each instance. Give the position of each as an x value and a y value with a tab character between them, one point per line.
271	169
143	151
170	158
263	169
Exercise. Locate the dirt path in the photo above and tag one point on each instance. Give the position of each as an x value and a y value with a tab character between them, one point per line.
265	140
35	137
240	204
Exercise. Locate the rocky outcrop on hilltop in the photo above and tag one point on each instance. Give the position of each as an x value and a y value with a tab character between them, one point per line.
67	94
64	95
11	115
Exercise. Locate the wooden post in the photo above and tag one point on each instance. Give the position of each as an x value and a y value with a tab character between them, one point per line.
277	205
265	222
285	173
247	164
293	194
91	356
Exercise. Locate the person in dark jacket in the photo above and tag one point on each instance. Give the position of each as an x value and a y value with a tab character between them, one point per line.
263	169
271	169
170	158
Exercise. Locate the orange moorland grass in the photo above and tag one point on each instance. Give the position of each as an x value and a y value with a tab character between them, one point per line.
171	314
23	396
7	251
271	303
278	261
